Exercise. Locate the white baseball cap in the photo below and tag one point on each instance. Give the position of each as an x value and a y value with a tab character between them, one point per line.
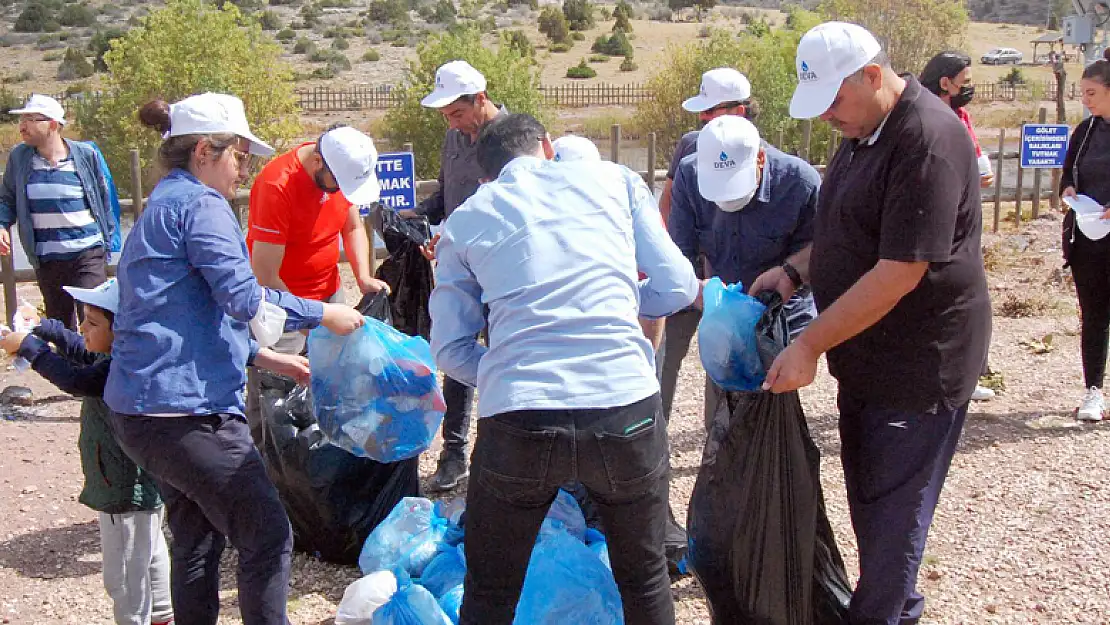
214	113
454	80
353	160
105	296
828	54
43	105
718	86
575	148
728	155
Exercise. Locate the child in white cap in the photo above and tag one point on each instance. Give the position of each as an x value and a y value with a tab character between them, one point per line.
136	564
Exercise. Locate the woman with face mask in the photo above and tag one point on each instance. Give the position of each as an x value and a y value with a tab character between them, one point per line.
948	75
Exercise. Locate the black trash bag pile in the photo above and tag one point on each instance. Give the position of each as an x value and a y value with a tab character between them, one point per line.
334	499
406	271
760	541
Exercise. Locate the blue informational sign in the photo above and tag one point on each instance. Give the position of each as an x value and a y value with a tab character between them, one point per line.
397	177
1044	146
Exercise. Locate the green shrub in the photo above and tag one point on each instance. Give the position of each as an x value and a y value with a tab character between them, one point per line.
598	58
577	36
371	55
36	18
616	44
579	14
340	43
628	65
553	24
50	57
399	42
183	48
286	35
394	12
15	79
76	15
512	78
520	42
622	15
74	65
559	47
444	12
581	71
8	101
1015	77
269	20
304	45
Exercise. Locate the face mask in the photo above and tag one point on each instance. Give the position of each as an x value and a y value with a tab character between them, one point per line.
963	98
732	206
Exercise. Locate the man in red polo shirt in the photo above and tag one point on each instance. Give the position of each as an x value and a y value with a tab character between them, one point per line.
301	203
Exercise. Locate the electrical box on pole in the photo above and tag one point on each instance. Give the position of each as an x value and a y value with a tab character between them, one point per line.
1079	30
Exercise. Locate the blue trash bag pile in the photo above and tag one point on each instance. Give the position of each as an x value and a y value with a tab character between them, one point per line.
727	337
416	558
375	392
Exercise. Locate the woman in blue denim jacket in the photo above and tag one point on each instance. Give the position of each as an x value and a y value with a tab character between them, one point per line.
187	296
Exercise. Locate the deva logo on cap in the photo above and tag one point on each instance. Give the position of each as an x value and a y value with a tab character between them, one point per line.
724	162
804	74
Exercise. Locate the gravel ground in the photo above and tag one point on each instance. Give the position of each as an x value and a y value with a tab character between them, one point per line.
1019	536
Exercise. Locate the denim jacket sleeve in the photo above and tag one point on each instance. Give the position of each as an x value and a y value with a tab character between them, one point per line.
682	223
7	195
214	246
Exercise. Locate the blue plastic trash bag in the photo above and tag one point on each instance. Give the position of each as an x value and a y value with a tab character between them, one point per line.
566	509
727	337
375	392
407	539
411	605
454	511
566	583
445	571
451	602
595	540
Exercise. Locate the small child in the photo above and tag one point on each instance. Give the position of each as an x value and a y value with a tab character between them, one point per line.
136	562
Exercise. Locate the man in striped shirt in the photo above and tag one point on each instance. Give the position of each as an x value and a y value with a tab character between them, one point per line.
57	192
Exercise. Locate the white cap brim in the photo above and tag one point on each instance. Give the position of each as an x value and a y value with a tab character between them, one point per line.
739	183
366	193
26	111
699	103
96	296
258	146
811	101
439	99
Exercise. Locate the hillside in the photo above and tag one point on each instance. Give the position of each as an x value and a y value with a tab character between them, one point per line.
1034	12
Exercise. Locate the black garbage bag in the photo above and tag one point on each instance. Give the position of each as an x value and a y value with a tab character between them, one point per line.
406	271
760	542
334	499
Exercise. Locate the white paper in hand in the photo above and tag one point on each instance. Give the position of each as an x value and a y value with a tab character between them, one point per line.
1088	216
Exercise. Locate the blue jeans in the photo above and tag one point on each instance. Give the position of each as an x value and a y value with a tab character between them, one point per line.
216	489
895	463
522	458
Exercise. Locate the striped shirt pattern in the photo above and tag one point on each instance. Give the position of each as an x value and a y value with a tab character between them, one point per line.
64	225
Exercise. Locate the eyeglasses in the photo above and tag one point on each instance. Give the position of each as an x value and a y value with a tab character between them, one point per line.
33	119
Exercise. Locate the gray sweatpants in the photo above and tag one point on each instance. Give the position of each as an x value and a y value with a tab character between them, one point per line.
136	566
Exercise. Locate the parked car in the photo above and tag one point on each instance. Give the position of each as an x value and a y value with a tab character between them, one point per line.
1001	56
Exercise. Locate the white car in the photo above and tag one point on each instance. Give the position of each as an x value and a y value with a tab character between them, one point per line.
1001	56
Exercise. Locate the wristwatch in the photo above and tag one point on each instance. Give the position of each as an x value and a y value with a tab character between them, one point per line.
792	273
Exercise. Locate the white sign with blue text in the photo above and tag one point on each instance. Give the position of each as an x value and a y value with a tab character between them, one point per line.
397	177
1043	146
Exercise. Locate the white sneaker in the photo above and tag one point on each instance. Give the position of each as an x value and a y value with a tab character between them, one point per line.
1093	407
982	393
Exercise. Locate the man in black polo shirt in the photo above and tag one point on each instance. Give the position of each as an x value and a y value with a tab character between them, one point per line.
898	277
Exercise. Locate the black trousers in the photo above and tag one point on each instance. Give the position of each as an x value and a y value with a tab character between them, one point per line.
1090	267
520	461
89	269
215	486
456	420
895	463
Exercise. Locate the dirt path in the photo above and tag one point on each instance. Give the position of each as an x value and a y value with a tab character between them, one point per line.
1019	536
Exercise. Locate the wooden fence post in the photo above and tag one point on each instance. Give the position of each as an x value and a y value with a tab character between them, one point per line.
782	140
136	184
615	143
834	142
1042	116
651	162
998	178
807	135
406	147
11	300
